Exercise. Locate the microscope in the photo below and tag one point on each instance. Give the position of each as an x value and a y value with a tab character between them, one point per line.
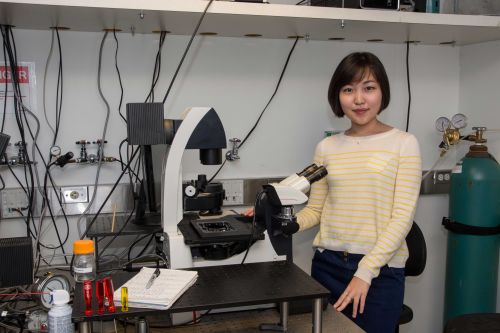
193	240
274	208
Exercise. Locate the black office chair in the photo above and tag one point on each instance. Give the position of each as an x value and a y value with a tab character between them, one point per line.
414	265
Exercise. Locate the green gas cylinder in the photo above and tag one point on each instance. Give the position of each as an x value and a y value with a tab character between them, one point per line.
473	233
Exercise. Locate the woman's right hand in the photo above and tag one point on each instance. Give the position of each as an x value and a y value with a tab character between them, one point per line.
249	212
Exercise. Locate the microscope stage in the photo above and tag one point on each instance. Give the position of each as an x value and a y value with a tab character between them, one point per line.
220	229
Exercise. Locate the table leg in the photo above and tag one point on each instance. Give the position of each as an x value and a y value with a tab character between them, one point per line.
317	315
283	325
85	327
141	326
285	306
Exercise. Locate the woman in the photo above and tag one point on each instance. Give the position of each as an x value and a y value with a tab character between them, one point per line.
365	205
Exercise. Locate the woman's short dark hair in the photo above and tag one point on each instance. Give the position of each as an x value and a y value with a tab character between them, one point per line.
353	68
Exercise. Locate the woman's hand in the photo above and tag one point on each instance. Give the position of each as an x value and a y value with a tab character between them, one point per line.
355	292
249	212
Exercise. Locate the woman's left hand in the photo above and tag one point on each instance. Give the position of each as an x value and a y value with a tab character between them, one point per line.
356	293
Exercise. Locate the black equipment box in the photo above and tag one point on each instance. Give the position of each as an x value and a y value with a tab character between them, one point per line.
335	3
377	4
16	256
380	4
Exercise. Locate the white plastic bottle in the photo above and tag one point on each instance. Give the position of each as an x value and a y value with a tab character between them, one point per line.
60	313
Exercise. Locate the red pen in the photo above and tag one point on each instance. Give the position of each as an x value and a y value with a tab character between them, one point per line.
87	295
99	291
108	291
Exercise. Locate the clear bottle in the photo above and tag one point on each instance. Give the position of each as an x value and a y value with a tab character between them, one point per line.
60	314
84	261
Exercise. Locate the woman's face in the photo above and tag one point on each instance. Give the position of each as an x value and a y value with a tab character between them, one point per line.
361	101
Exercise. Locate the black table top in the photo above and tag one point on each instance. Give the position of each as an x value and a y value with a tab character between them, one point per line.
221	287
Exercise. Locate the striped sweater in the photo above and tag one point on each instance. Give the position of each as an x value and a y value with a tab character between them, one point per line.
367	202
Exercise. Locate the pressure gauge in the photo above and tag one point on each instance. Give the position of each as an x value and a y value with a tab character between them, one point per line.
459	121
47	283
55	151
442	123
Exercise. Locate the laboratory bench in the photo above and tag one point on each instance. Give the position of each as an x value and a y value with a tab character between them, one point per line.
223	287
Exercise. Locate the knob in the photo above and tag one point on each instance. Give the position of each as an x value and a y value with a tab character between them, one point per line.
232	155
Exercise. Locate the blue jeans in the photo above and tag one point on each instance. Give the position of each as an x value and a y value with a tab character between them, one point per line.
335	269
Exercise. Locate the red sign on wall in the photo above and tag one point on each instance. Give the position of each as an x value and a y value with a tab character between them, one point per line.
22	74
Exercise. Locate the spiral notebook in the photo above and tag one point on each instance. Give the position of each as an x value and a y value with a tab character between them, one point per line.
165	290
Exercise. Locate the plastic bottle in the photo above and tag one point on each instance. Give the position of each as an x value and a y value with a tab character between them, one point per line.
60	313
84	262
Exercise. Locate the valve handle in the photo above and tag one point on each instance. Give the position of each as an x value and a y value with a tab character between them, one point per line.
232	155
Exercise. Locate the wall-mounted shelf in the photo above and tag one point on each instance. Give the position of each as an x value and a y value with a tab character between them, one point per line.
239	19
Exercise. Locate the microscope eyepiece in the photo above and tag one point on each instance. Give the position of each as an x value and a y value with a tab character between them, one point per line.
310	169
318	174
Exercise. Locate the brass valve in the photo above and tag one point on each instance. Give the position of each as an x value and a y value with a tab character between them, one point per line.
478	136
451	136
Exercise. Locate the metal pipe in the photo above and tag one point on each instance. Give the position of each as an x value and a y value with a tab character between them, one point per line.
284	316
317	315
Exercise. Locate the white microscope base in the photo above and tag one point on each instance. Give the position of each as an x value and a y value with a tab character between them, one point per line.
180	254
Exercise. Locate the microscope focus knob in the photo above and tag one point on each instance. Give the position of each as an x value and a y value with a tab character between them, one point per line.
190	191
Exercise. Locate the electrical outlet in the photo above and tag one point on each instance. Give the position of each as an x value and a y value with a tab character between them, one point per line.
234	191
15	203
72	195
437	182
442	176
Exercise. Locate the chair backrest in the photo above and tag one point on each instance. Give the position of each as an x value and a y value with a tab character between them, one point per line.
417	251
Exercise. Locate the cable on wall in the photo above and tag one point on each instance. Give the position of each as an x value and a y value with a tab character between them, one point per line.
103	137
265	108
119	77
157	68
408	84
46	205
10	51
5	90
21	112
186	51
3	183
45	73
59	88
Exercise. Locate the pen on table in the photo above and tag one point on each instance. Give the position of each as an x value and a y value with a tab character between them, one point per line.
152	278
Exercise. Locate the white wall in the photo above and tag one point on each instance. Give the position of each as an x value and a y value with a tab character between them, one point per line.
237	76
479	73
